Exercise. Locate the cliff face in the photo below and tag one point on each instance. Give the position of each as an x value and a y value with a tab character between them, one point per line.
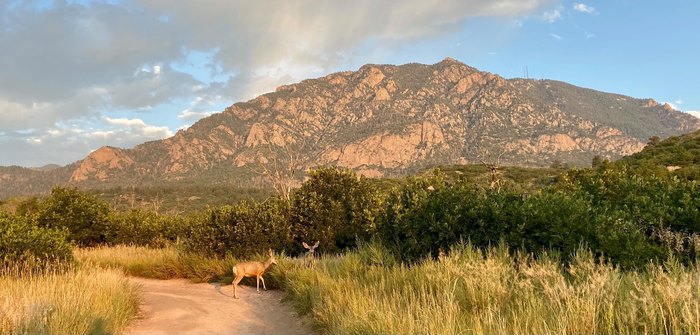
388	120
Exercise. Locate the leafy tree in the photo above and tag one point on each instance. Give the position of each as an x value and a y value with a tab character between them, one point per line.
335	207
83	216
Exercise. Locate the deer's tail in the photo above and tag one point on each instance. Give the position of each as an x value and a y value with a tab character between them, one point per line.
234	271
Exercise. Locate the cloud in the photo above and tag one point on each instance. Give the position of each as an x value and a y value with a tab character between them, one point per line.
694	113
555	36
63	144
308	38
583	8
552	15
188	114
138	128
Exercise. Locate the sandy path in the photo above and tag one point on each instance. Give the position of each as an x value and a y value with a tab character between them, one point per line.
180	307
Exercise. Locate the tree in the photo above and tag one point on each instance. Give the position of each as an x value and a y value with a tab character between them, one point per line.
493	164
280	167
654	141
335	207
84	216
597	161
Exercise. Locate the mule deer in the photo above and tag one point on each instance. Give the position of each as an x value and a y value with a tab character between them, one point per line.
309	256
249	269
441	255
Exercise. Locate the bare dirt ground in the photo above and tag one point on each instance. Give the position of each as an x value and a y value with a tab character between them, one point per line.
180	307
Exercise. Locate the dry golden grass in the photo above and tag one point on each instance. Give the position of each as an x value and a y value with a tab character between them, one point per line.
74	301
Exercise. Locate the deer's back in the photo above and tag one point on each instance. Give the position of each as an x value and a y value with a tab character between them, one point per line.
250	268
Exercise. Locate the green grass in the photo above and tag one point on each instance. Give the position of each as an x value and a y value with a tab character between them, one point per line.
365	292
84	300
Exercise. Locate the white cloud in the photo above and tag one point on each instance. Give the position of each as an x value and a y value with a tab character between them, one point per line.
138	128
583	8
552	15
694	113
673	105
555	36
590	35
188	114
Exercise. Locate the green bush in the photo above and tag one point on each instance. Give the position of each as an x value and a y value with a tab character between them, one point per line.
83	216
335	207
426	214
139	227
23	242
241	230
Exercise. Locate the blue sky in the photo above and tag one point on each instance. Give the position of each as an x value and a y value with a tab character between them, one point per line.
77	75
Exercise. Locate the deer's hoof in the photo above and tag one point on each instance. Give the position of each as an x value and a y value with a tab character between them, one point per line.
235	297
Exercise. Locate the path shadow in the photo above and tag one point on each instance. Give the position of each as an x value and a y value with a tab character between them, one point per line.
217	287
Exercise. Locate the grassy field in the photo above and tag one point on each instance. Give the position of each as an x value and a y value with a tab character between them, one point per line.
367	292
493	293
85	300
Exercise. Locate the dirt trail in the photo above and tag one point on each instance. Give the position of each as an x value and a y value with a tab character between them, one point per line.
180	307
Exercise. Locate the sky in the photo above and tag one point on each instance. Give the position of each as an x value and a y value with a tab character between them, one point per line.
78	75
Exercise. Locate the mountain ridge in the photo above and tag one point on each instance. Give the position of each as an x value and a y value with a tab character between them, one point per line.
384	120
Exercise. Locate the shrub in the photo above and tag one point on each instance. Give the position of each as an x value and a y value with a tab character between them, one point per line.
23	242
335	207
83	216
241	230
139	227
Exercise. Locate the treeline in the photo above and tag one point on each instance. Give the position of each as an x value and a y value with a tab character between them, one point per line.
613	210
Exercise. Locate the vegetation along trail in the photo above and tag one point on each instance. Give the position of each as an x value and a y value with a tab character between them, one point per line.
180	307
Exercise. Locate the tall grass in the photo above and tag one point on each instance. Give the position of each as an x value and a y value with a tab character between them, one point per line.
483	292
491	292
70	301
166	263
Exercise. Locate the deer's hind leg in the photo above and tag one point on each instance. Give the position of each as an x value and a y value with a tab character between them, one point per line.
235	284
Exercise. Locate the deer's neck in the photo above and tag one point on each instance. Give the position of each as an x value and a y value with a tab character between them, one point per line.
267	263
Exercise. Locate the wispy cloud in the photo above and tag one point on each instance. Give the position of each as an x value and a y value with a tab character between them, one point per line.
583	8
189	114
552	15
555	36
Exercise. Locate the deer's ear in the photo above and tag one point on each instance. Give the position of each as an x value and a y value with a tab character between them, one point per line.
305	245
316	245
270	252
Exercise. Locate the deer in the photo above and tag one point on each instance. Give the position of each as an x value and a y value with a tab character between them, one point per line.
441	255
309	255
250	269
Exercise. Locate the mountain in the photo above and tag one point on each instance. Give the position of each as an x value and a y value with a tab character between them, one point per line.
382	120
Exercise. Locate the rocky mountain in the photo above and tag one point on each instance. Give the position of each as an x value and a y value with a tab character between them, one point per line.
382	120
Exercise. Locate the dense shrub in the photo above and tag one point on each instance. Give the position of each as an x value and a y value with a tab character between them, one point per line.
139	227
83	216
426	214
335	207
22	241
242	229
